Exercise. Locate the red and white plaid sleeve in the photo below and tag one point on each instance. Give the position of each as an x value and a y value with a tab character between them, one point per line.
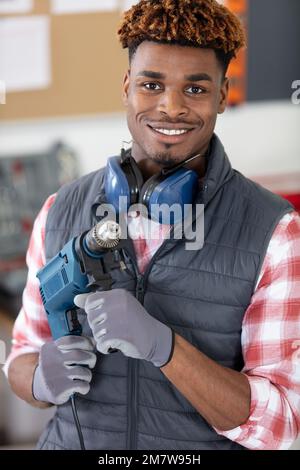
271	346
31	328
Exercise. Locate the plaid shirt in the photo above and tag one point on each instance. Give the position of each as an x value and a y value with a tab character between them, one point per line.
270	331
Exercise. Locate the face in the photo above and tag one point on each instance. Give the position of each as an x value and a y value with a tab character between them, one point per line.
173	95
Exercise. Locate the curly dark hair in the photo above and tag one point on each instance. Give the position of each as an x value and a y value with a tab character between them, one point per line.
196	23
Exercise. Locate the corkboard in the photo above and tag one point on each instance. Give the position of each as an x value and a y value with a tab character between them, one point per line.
88	65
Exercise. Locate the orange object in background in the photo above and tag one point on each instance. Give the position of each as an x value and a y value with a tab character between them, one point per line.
237	71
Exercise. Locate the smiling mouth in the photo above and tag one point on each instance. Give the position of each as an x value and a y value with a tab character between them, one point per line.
170	132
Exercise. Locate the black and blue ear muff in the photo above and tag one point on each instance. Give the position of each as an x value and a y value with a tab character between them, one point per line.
122	179
172	191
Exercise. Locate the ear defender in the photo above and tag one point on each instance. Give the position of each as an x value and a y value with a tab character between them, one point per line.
164	195
122	179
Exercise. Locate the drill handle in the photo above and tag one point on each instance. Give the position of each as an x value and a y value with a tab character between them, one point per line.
64	323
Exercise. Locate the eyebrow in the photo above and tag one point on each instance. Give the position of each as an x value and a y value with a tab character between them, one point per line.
195	77
151	74
198	77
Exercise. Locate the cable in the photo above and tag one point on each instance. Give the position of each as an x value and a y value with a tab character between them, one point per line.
77	423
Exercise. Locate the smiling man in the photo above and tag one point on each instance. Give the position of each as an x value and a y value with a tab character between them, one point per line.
173	95
205	339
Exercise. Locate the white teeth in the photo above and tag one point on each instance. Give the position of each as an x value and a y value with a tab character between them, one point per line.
171	131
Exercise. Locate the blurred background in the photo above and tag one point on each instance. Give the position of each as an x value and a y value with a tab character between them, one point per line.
61	116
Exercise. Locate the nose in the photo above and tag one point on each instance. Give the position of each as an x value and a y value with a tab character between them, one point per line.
172	104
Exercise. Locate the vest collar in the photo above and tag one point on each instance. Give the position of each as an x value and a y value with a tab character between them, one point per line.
219	171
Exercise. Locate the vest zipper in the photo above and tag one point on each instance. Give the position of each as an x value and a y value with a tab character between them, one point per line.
133	365
140	289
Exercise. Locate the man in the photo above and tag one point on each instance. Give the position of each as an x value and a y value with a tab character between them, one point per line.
206	339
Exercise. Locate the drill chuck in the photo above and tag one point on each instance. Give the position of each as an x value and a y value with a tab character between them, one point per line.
103	236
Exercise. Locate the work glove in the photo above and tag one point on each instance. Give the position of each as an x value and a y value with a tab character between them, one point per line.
119	321
63	369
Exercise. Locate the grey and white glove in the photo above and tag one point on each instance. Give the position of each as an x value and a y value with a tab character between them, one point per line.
119	321
63	369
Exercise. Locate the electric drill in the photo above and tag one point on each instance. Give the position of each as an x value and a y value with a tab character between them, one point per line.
83	265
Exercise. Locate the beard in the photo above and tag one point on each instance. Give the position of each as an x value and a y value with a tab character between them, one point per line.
165	158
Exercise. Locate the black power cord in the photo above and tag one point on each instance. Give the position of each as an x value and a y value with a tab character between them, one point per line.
77	423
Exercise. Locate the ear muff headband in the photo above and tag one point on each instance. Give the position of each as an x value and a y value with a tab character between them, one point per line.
149	187
134	178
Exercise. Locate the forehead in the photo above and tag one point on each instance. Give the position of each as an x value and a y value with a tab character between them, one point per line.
182	60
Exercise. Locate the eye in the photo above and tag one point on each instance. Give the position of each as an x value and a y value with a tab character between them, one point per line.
152	86
195	90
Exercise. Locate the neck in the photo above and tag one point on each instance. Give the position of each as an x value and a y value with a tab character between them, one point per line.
148	167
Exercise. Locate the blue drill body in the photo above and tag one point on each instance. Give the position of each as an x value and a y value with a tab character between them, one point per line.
60	280
74	270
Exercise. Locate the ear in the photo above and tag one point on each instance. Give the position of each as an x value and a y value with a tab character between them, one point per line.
223	96
126	81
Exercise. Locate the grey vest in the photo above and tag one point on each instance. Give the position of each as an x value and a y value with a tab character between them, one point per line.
202	295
